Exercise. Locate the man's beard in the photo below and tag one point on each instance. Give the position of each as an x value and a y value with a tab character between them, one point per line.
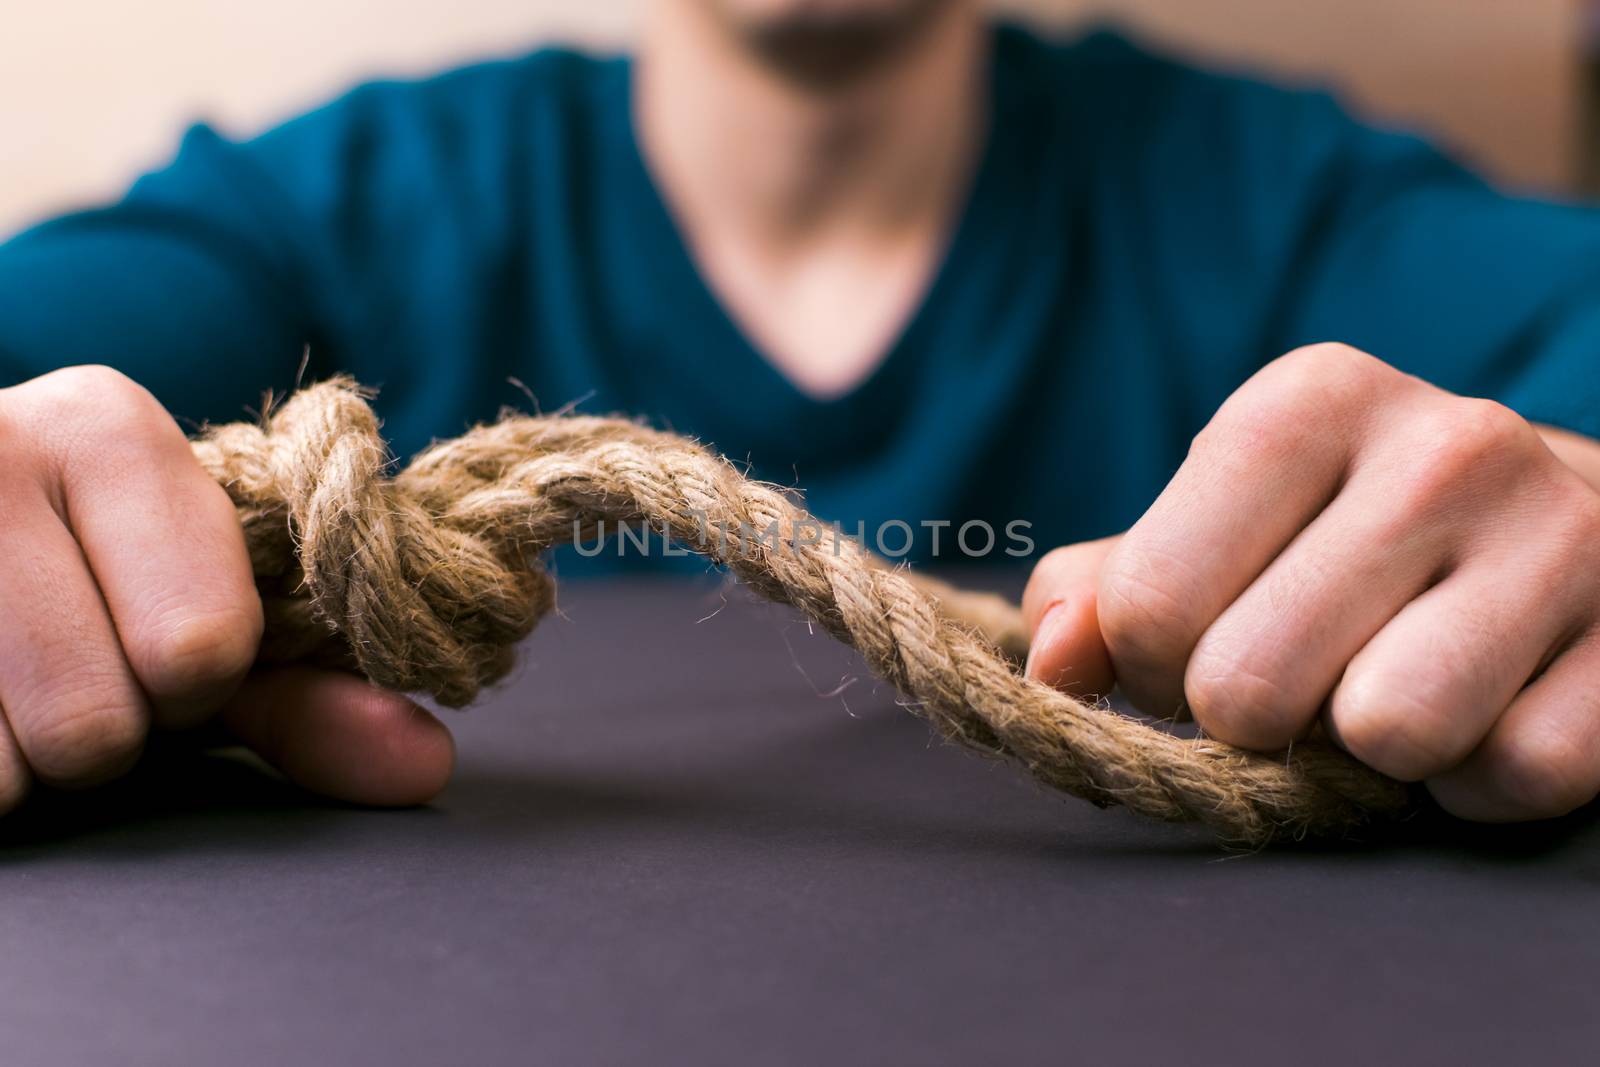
827	48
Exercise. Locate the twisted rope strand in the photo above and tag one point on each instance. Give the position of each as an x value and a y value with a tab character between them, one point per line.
426	580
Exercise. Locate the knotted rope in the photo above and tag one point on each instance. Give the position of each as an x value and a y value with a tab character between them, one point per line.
424	581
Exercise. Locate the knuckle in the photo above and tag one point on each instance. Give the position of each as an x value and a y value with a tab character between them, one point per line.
1544	774
1577	510
1323	360
1470	436
1143	611
200	651
1392	732
101	396
1490	425
85	385
1261	429
1328	374
1237	703
1455	449
1300	397
96	381
87	742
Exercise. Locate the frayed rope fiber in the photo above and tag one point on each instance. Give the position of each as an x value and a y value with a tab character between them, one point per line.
425	581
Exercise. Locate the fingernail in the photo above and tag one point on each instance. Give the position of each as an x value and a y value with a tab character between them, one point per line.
1051	623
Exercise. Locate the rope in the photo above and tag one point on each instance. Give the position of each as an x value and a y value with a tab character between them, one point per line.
425	581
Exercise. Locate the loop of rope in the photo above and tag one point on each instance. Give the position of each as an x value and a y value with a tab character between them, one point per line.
426	580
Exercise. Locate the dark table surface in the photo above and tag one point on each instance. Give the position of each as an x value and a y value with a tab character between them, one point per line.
691	831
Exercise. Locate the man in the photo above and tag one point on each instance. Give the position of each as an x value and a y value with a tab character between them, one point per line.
933	269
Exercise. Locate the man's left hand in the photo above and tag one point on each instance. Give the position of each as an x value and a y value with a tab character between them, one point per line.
1345	544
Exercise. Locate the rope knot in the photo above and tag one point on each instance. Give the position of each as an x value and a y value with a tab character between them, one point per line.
414	602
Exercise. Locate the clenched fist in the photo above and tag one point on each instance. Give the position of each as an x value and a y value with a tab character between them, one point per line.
1417	571
127	603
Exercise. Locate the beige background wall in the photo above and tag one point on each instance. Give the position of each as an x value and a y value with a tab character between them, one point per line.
92	91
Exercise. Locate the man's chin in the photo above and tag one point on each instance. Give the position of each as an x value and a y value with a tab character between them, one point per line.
827	44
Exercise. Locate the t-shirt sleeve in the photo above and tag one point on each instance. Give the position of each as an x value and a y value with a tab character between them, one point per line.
370	231
380	232
195	284
1403	253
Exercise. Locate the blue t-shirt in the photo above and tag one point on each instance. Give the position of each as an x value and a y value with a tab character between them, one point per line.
1139	238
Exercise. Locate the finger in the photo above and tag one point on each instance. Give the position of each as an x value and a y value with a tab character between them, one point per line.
166	548
1429	686
1266	465
1060	607
74	707
1542	758
14	774
340	736
1259	674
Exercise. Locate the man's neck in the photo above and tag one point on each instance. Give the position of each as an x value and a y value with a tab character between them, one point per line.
818	216
735	144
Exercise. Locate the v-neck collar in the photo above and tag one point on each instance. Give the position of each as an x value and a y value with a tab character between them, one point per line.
758	397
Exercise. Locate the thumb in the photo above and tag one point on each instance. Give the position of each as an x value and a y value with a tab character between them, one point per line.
1061	610
338	735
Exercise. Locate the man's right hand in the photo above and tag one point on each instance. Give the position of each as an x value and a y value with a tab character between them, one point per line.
127	604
